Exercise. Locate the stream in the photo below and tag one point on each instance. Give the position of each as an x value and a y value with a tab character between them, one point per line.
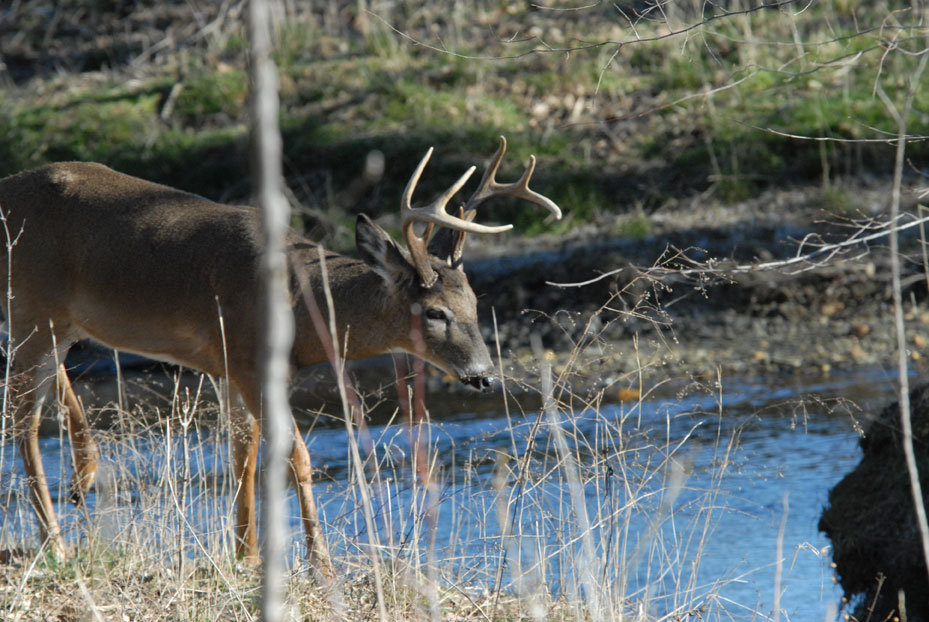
702	497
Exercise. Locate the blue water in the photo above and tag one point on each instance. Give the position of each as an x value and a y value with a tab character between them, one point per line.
699	499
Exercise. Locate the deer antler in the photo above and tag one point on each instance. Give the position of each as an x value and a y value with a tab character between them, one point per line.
490	188
435	214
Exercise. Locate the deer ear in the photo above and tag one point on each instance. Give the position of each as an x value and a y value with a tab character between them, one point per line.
381	252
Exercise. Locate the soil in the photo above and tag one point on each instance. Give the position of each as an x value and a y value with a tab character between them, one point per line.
695	297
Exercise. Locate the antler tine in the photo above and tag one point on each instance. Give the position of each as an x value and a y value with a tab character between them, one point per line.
414	179
434	214
490	188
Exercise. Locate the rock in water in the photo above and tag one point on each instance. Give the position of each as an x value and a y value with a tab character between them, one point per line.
872	522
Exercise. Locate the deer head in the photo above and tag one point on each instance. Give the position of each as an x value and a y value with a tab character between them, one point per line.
427	282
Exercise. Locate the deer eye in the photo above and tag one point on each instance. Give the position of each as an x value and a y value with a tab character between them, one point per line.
436	314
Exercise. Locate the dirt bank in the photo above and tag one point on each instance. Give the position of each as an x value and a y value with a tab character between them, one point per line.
679	300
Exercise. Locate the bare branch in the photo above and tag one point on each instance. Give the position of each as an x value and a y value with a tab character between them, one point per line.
833	139
547	49
900	116
800	262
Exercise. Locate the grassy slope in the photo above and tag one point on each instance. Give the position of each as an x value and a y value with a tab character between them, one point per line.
620	116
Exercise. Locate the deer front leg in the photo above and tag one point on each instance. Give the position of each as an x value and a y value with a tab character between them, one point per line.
26	431
245	436
301	475
83	447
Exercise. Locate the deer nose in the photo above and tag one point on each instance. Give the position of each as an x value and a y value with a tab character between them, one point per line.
481	383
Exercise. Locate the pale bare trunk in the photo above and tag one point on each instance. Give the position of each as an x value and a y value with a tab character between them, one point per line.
277	321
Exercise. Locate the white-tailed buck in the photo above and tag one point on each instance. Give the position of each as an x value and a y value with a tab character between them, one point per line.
148	269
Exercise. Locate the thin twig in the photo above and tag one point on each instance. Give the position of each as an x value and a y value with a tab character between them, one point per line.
902	375
806	261
548	49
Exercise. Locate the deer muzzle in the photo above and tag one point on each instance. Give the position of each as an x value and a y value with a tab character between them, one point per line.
481	383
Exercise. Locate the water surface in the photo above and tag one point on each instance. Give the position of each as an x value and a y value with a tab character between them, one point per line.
700	498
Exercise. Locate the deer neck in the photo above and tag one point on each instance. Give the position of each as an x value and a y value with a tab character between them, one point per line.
368	319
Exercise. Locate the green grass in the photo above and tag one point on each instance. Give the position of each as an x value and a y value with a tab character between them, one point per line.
635	225
213	99
737	104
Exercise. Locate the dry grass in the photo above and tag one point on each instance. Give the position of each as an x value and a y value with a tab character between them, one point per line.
581	511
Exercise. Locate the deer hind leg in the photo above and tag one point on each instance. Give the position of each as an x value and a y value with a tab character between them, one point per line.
301	475
30	387
83	447
245	437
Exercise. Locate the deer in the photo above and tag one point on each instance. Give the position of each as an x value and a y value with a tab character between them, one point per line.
145	268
